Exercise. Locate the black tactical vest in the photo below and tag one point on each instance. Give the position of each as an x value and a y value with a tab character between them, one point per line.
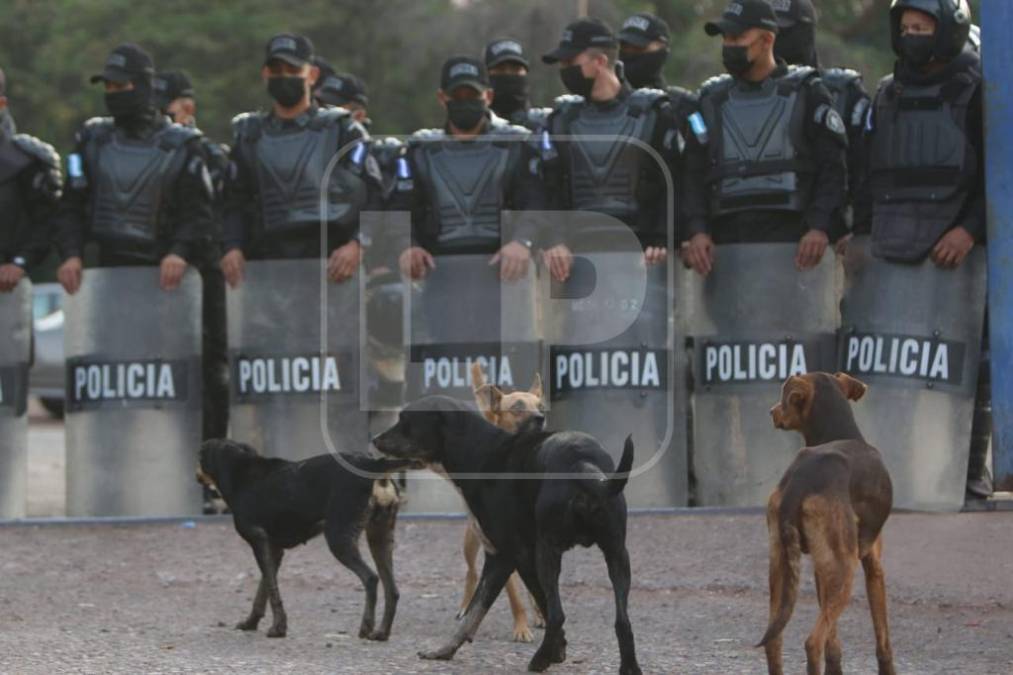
131	178
290	165
467	183
606	170
12	162
758	148
922	166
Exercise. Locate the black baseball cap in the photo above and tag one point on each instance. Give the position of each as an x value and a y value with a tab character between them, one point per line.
341	89
124	63
741	15
642	29
296	50
791	12
172	85
580	35
463	70
504	50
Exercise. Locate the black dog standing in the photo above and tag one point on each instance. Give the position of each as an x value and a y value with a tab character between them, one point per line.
529	522
277	504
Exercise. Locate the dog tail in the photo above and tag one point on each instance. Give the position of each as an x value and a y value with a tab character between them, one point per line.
601	486
785	561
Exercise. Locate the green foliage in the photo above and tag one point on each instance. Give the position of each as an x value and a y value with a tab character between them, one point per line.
49	48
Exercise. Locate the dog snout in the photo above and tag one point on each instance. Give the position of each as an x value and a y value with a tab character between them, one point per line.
775	414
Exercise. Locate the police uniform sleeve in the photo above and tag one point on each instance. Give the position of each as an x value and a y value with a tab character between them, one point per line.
974	218
857	111
42	185
192	197
826	131
240	193
527	194
694	192
359	159
69	224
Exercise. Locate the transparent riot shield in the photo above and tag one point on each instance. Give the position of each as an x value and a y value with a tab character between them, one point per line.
15	351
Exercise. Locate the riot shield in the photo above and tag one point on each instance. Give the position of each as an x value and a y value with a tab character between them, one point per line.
459	314
913	334
133	399
294	361
750	324
615	380
15	350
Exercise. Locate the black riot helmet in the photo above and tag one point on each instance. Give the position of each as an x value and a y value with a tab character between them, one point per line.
953	25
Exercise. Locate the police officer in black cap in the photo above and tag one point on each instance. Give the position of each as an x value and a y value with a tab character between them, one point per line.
925	193
508	74
779	177
30	185
272	203
796	45
178	100
137	184
630	186
440	161
342	90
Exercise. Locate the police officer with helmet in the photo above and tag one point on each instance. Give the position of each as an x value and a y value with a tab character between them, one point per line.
928	199
796	45
508	70
30	185
632	187
793	187
440	161
272	201
161	219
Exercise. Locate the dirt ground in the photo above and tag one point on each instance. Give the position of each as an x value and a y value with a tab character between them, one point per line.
163	599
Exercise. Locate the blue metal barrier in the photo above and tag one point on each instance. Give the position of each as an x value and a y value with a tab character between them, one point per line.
997	55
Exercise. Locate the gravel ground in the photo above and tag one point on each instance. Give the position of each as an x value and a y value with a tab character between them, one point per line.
163	599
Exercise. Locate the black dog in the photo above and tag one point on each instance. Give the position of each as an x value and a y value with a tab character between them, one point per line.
277	504
530	520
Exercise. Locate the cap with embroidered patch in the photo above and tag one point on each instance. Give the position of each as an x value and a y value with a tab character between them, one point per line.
579	36
124	63
642	29
293	49
459	71
791	12
504	50
741	15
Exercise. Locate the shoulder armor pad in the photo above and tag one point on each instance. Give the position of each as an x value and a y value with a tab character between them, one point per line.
712	84
678	95
330	115
800	73
501	127
387	142
567	100
424	135
95	126
648	94
179	135
40	150
245	123
842	73
539	114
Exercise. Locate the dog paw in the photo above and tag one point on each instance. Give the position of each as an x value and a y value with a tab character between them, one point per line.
250	623
523	634
630	669
460	613
378	636
538	622
441	654
365	630
277	631
539	662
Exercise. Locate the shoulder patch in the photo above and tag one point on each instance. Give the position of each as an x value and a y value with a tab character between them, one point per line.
829	118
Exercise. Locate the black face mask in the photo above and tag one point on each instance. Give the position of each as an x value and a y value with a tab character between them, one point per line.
917	49
736	60
644	70
466	114
511	93
575	82
127	105
287	91
797	45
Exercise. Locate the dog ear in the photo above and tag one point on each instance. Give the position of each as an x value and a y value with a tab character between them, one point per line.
797	398
488	397
536	386
852	388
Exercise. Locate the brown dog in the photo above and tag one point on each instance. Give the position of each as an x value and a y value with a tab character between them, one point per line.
831	503
509	412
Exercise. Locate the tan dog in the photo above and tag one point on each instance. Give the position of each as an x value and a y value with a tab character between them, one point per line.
831	503
509	412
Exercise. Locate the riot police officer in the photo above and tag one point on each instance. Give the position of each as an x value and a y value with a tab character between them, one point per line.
630	186
796	45
644	49
161	219
30	185
928	199
272	202
343	90
440	161
178	100
508	75
787	185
